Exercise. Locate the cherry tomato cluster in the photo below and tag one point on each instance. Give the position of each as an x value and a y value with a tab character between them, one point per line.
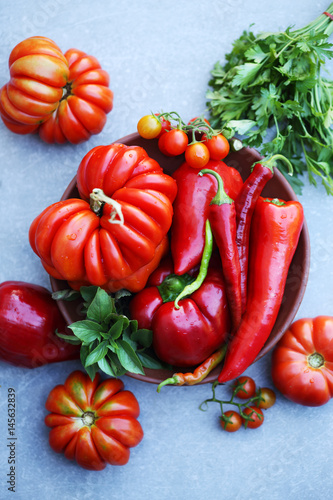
174	135
249	411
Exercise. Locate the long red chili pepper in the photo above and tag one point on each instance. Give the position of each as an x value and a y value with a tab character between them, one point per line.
200	372
222	217
275	231
245	202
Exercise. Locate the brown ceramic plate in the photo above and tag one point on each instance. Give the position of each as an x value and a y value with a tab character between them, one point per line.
277	187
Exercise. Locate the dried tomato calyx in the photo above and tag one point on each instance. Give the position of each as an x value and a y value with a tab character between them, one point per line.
97	201
66	91
316	360
88	418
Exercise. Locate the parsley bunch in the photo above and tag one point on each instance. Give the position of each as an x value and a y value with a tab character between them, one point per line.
272	83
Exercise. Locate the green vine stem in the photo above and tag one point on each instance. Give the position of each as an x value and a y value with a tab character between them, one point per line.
255	400
198	125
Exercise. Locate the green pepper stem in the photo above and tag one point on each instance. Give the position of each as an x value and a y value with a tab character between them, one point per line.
271	162
221	196
192	287
168	381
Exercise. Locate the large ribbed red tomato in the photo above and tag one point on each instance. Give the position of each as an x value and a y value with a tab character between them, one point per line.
38	72
302	361
64	96
120	238
93	423
86	101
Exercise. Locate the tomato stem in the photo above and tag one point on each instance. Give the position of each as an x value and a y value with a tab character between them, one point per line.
316	360
241	406
66	91
88	418
97	201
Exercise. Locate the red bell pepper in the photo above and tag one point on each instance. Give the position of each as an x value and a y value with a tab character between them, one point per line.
29	318
187	333
275	231
191	208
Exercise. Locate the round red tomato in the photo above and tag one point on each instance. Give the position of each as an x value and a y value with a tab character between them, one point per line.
218	146
267	398
194	121
246	387
93	423
197	155
255	417
173	143
302	362
231	421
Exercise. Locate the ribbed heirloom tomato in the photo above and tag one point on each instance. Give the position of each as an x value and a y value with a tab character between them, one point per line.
64	96
93	423
302	362
118	239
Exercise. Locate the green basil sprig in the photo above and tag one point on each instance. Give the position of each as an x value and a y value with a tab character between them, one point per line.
110	341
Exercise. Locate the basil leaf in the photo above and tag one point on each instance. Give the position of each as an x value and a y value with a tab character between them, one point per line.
116	366
151	362
143	337
92	370
85	330
71	339
100	307
97	354
84	351
88	293
128	358
67	295
104	365
117	328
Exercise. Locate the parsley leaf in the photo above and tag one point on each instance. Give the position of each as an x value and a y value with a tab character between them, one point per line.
273	82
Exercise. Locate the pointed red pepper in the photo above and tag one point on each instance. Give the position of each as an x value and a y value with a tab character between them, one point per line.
222	218
245	202
275	232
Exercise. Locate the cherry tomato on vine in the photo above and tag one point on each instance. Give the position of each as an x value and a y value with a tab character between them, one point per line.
255	417
173	143
197	118
268	398
218	146
197	155
231	421
149	127
247	387
165	124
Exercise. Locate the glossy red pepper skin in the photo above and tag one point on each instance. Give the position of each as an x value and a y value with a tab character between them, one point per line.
189	335
275	233
29	318
222	218
245	204
191	208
